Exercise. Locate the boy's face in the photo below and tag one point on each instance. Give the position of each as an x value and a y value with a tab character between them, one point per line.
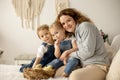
58	34
45	36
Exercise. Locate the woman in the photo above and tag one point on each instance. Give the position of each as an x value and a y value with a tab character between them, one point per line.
91	50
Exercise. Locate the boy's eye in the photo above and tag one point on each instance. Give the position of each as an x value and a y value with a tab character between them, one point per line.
56	32
52	35
46	33
42	36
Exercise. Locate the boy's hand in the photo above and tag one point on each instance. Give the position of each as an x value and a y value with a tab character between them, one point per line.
57	42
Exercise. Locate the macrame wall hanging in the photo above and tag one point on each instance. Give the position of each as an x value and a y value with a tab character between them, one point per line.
61	4
28	10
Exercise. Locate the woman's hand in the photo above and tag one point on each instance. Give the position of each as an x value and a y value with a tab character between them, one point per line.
65	60
64	55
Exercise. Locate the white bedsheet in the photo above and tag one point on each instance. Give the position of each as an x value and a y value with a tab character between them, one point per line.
10	72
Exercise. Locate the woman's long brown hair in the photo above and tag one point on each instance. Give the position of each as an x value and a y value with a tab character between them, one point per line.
76	15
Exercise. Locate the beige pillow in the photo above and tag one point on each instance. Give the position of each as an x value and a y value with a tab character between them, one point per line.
109	50
114	70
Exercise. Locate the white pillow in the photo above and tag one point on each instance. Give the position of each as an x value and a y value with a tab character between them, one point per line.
116	43
114	70
110	51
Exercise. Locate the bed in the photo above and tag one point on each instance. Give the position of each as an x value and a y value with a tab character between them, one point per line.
11	72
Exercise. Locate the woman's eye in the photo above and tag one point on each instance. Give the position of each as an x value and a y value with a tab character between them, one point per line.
63	24
69	20
46	33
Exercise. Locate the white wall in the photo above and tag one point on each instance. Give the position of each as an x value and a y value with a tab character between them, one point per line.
105	14
16	40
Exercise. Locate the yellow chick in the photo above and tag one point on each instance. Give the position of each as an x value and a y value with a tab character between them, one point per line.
38	66
48	68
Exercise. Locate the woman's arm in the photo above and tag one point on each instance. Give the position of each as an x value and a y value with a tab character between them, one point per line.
74	48
86	40
68	52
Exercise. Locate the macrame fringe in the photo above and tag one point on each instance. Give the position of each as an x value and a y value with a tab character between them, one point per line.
28	10
61	4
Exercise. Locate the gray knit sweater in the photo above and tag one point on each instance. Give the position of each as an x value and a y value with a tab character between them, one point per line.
91	49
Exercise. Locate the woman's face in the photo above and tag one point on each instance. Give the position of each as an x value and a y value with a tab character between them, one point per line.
68	23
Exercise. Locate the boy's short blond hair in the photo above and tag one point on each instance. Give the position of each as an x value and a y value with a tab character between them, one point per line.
56	25
42	27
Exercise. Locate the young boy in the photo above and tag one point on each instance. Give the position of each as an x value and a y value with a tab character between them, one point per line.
45	53
65	44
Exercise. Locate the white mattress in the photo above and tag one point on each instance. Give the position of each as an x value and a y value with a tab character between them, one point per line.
10	72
